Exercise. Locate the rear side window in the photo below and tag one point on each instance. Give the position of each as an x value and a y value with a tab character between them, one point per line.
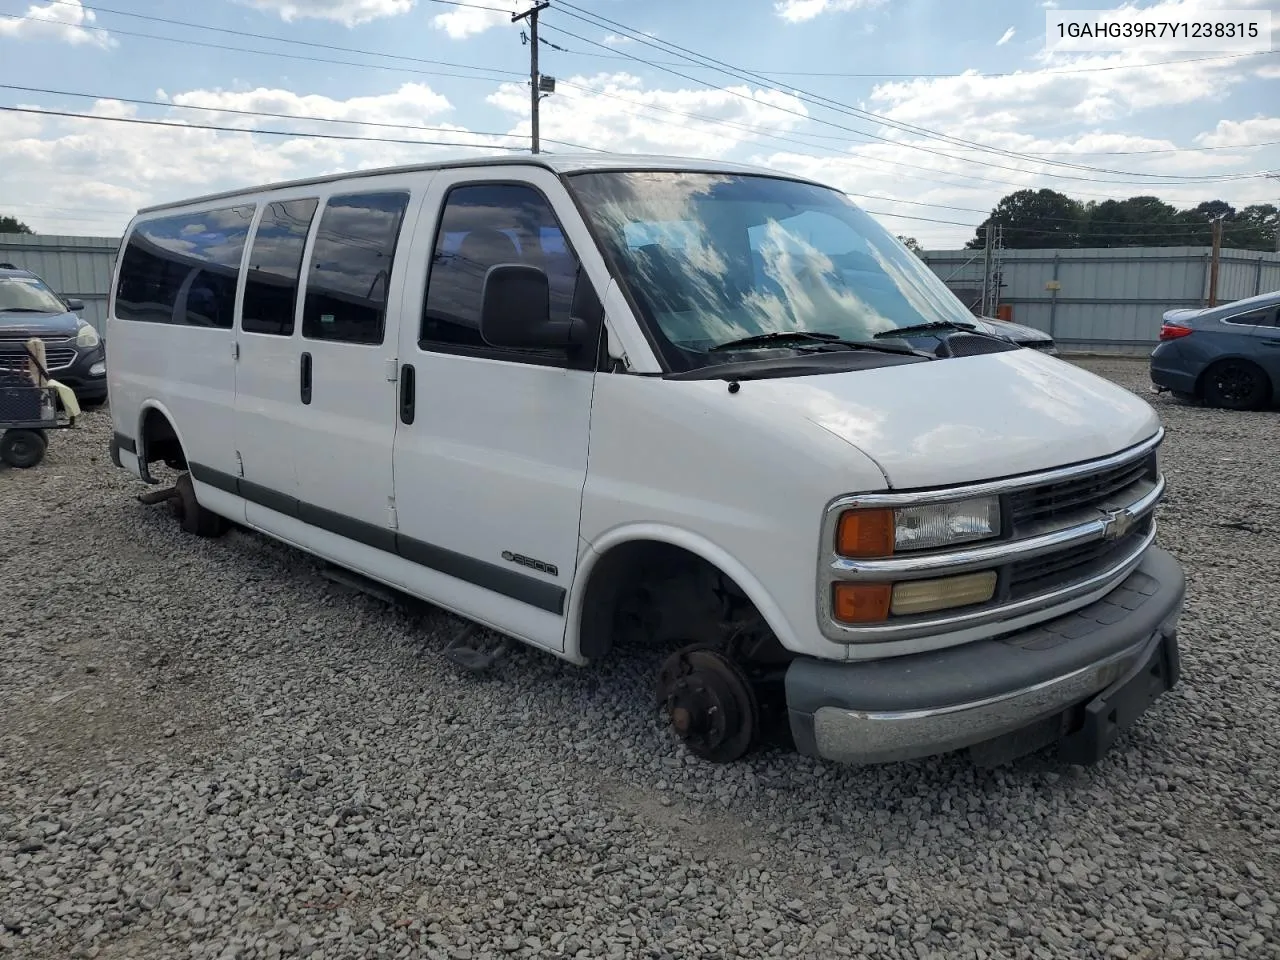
275	264
351	267
184	269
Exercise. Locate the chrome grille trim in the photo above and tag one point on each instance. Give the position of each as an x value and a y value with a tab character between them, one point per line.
1088	499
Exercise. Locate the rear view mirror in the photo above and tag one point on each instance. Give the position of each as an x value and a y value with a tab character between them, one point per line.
75	306
515	312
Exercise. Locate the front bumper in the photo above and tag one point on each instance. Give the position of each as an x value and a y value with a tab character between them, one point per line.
1079	680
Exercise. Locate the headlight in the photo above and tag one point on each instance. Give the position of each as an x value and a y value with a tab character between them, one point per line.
87	336
882	533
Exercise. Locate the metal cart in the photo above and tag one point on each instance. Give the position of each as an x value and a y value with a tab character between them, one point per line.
28	408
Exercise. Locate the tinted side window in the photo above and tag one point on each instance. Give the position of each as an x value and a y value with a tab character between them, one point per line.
184	269
275	263
1253	318
351	267
485	225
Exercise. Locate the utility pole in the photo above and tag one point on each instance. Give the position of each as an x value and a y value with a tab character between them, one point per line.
986	266
535	91
1276	178
1214	261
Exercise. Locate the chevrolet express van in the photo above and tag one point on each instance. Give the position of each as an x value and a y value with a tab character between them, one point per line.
709	411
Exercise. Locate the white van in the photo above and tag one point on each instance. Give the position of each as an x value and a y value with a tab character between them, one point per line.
595	402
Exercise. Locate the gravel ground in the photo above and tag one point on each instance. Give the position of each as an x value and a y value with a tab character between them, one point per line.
209	751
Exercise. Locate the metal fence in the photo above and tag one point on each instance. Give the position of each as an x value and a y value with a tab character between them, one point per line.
77	267
1106	300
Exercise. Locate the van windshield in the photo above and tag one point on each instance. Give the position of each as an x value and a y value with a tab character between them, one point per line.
715	258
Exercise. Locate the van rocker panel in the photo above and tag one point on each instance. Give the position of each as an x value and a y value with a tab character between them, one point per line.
480	573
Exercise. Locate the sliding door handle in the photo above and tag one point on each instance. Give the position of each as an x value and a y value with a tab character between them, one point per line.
407	393
305	379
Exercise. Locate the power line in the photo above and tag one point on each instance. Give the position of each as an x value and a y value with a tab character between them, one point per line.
276	38
277	54
583	87
807	97
931	76
254	131
282	116
730	70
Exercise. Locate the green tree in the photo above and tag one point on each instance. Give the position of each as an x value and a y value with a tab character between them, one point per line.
1034	219
1136	222
912	244
13	225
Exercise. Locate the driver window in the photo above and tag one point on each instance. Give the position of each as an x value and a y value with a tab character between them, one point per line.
482	226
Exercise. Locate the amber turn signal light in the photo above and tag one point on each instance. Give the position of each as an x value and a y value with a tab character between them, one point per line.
861	602
865	533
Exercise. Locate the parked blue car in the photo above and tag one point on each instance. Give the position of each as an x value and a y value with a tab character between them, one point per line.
1227	356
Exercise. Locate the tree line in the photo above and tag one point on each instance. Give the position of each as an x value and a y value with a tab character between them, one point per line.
1045	219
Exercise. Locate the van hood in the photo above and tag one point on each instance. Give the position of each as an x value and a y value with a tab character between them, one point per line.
968	419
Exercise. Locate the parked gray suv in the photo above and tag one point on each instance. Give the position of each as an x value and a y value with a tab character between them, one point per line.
74	352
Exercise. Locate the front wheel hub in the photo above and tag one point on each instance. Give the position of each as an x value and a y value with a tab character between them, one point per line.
709	704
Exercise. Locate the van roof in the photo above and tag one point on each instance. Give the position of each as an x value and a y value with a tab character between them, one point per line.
555	162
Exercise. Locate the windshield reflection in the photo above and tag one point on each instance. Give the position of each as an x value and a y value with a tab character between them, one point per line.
29	295
713	258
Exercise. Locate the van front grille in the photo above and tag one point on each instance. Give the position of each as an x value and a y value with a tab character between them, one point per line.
1053	501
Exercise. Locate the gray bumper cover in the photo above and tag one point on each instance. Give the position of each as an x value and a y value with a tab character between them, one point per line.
914	706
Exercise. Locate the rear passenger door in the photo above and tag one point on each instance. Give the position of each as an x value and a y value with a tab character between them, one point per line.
268	408
345	364
491	449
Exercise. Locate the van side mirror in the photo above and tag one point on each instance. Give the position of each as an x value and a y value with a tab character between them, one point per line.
515	312
75	306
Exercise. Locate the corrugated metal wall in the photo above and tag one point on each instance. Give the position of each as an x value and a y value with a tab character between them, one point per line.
1108	300
74	266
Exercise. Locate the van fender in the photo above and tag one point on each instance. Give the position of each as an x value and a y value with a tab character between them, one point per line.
147	405
661	533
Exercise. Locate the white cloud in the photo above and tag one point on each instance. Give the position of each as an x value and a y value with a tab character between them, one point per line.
614	40
1269	73
1054	96
618	113
1236	133
462	22
58	21
412	104
96	173
798	11
1006	37
347	12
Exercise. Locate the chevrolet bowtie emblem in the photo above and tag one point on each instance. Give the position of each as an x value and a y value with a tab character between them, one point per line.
1116	523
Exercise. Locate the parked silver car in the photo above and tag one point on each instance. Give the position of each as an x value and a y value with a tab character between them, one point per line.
1228	356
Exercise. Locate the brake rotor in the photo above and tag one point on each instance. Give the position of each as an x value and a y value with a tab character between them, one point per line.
709	704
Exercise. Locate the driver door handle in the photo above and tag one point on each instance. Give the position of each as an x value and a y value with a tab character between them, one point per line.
407	393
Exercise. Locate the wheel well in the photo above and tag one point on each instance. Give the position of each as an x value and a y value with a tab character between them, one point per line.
159	441
1266	379
650	593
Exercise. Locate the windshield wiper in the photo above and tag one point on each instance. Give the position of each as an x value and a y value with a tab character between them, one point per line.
821	337
925	328
768	339
22	310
